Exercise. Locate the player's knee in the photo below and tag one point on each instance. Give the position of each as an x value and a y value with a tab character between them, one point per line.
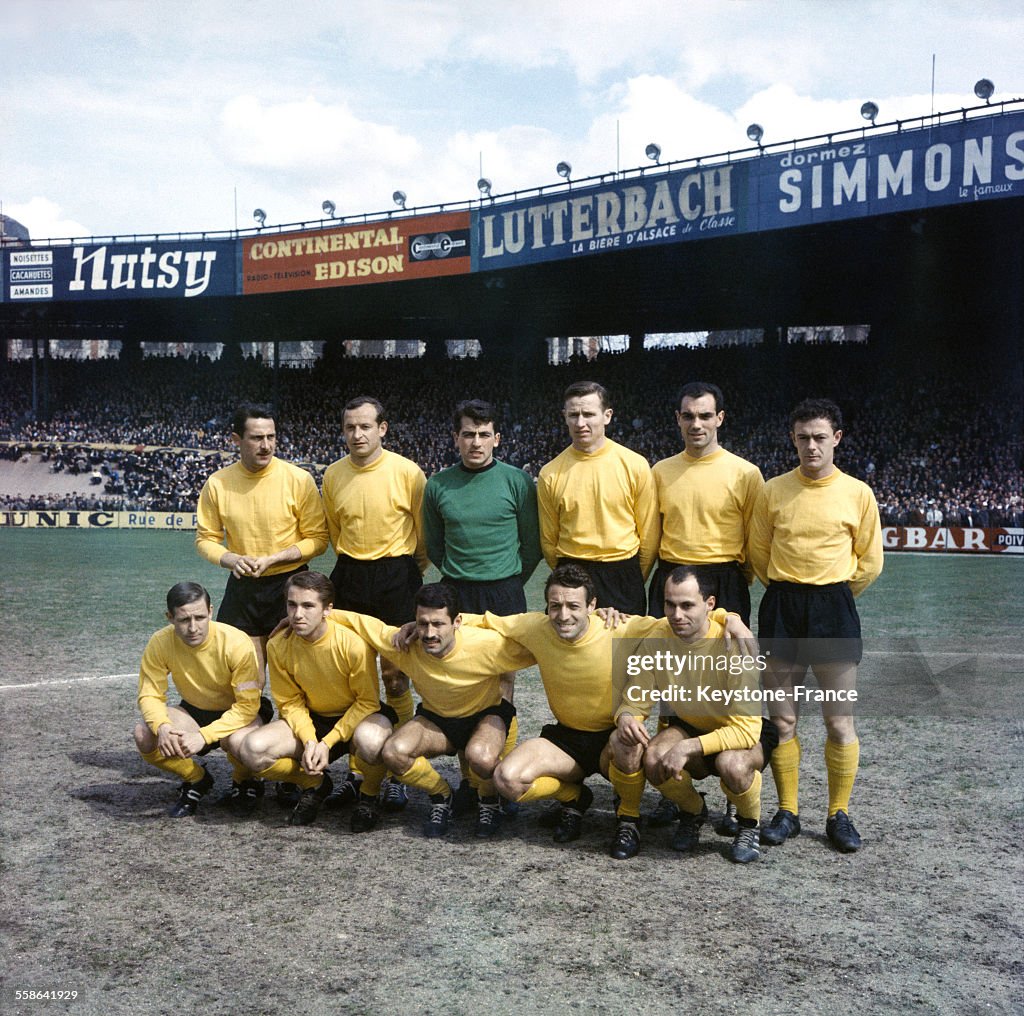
254	751
368	740
145	739
840	729
786	726
506	779
481	759
735	770
395	757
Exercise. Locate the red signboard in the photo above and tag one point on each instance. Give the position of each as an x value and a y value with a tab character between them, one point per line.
953	539
422	246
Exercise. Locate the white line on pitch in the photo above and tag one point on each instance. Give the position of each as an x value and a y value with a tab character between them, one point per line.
67	680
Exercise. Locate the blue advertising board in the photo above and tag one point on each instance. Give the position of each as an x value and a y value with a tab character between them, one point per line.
969	160
121	271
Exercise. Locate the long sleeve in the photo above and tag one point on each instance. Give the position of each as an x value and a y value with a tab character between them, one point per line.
153	681
246	685
433	526
529	529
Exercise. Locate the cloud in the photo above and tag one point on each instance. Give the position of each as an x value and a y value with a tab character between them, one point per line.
42	217
308	135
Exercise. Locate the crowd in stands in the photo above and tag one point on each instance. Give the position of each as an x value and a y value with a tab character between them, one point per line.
937	446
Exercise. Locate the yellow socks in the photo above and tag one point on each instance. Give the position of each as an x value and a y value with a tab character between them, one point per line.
630	788
841	763
748	804
422	775
288	770
512	737
484	788
403	705
373	775
682	793
239	774
786	771
184	768
551	786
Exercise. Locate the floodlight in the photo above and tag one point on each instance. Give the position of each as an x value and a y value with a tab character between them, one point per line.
754	133
983	89
484	186
260	216
869	111
564	170
329	206
399	198
653	152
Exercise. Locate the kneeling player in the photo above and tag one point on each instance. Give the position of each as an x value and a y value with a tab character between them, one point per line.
457	673
702	739
324	681
574	652
213	666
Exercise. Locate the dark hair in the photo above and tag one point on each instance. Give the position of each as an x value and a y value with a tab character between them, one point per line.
476	410
685	571
439	595
315	582
185	592
249	411
817	409
695	389
578	389
365	400
571	576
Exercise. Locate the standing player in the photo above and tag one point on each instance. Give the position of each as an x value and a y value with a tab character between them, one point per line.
816	543
269	513
597	504
324	681
480	521
706	498
213	667
373	500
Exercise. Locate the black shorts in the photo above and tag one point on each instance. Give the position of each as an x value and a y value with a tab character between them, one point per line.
204	717
459	729
727	579
500	596
769	740
385	588
255	606
323	725
809	624
618	584
584	747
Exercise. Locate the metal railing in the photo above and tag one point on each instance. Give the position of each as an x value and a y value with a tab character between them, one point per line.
564	186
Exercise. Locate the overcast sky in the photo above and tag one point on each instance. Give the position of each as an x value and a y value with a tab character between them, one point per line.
140	117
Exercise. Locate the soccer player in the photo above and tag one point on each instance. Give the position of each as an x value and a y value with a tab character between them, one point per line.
324	682
269	513
703	738
480	521
597	504
456	672
213	667
816	543
373	500
706	498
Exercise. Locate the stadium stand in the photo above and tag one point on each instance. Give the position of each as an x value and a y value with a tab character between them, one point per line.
943	449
